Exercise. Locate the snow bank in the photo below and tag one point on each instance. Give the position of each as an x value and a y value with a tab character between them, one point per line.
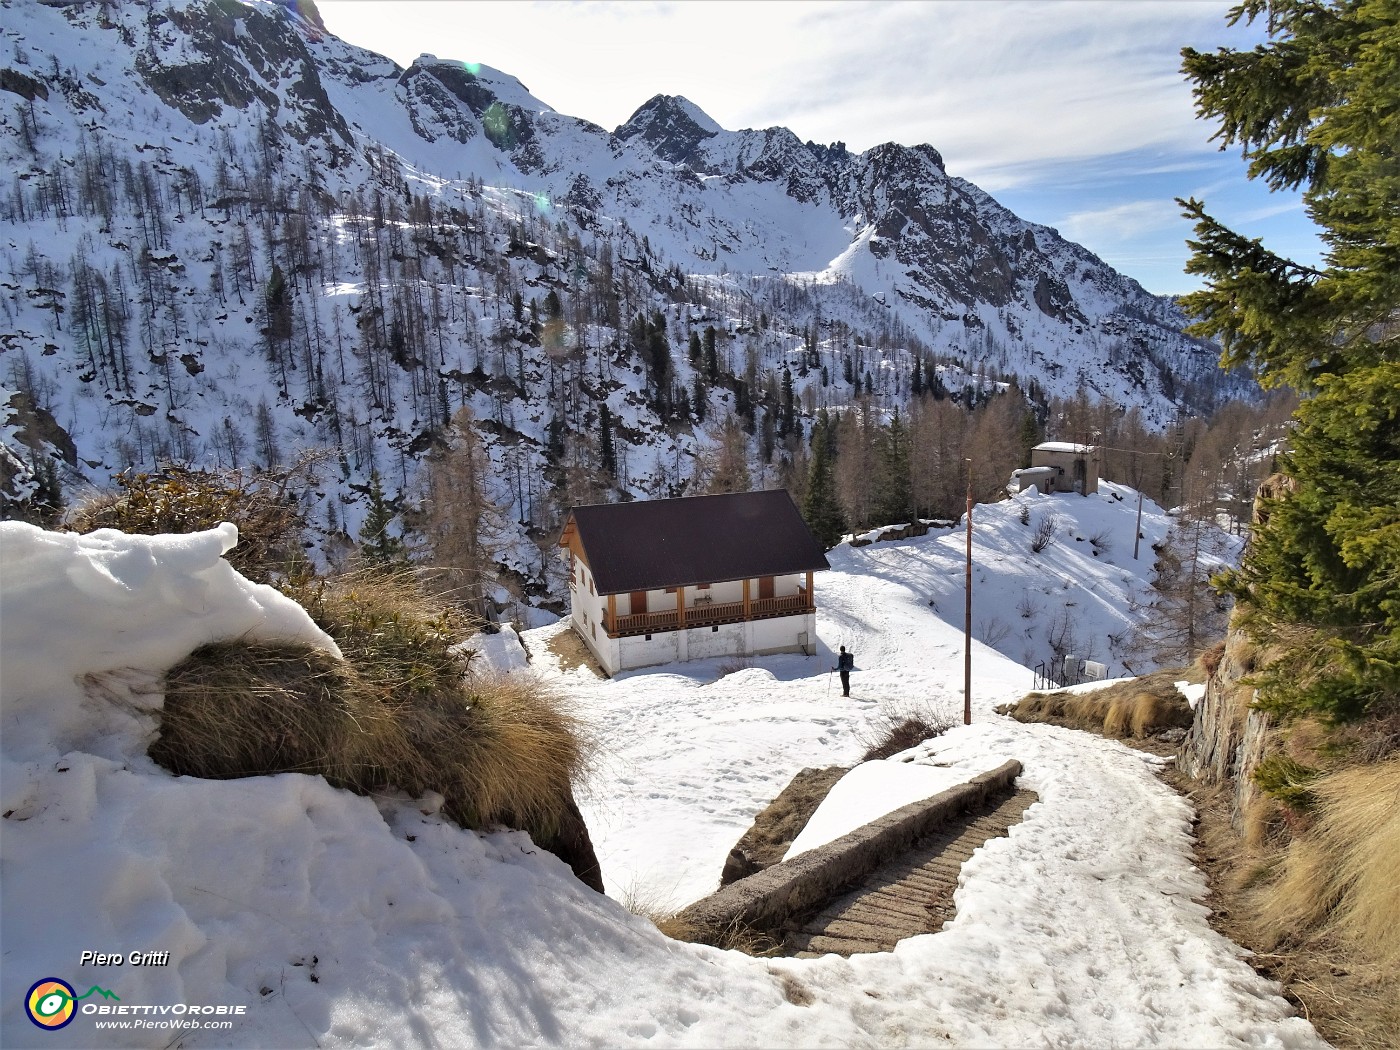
1193	691
324	917
871	790
119	611
500	651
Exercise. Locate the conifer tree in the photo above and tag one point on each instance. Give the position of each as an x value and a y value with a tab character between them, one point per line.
607	454
895	494
821	509
379	545
786	410
1317	108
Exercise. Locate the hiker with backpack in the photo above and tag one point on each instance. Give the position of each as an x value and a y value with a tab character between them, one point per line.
845	663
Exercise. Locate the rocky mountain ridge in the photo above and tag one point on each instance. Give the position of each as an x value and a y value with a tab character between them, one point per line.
231	236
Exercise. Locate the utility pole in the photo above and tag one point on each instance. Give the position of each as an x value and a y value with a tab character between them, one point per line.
967	611
1137	529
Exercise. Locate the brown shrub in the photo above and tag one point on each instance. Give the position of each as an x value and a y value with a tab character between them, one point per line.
1117	720
734	937
1138	708
1340	876
897	729
1153	712
1210	659
399	712
178	499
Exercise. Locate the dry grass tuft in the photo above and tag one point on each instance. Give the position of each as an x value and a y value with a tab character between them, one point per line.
735	936
1264	822
1140	708
1153	712
897	729
239	710
1116	718
1210	659
681	926
1340	876
399	712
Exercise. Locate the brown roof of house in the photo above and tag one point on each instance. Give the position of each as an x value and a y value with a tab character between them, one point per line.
647	545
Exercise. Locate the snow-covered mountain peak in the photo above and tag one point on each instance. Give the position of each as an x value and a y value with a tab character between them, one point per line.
673	126
232	236
486	80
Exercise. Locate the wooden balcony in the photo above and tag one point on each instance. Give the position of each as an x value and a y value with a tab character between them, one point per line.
710	614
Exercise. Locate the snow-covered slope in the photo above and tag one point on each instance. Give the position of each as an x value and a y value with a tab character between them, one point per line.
229	237
319	918
676	804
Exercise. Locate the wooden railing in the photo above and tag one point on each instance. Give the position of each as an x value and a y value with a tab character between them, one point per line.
708	614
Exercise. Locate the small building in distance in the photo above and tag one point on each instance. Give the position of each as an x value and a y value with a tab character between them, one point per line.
660	581
1059	466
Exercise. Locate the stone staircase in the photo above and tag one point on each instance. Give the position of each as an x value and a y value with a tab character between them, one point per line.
871	888
909	894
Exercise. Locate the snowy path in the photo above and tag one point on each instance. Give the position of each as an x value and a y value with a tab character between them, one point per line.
1083	927
332	920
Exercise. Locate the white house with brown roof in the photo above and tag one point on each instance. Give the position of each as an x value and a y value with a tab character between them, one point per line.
661	581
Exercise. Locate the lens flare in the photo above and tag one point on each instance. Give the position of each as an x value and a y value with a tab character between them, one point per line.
474	68
496	122
542	204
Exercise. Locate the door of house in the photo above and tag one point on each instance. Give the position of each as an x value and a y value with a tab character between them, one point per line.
639	602
765	586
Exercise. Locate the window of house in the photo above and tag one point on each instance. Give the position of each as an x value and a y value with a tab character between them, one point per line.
648	637
595	632
714	629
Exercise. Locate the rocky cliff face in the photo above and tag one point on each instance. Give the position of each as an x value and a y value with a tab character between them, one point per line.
1228	739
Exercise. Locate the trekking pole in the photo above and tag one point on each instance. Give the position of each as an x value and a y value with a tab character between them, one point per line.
828	684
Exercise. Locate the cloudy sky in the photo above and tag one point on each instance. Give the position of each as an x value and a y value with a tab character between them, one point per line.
1072	113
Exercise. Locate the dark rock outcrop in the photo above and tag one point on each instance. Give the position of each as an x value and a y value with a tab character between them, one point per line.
779	823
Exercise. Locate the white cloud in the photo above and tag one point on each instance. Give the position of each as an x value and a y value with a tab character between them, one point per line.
1128	221
989	84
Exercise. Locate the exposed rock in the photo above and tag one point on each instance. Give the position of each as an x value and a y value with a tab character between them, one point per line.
26	87
779	823
37	428
672	126
1228	738
235	56
572	844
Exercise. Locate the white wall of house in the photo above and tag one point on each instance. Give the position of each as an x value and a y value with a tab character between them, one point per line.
706	643
587	612
639	650
779	634
782	634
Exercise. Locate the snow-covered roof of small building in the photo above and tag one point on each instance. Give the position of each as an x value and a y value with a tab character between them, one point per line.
1063	446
